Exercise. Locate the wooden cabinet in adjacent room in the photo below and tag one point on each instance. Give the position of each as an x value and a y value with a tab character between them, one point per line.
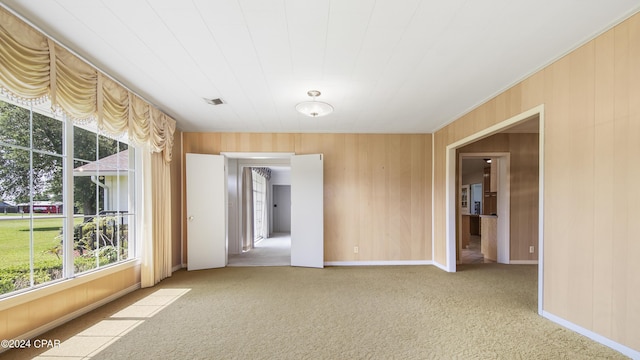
470	226
490	187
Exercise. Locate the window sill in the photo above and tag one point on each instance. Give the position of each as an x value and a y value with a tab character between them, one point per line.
37	293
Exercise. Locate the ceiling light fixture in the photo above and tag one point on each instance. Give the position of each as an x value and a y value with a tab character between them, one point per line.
314	108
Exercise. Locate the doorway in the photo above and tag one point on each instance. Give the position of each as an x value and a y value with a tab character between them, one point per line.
281	209
307	221
521	122
272	245
304	175
483	230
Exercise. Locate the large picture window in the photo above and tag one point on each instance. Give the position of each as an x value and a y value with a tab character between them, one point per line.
259	206
40	198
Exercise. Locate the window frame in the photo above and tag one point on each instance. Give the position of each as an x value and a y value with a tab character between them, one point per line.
134	206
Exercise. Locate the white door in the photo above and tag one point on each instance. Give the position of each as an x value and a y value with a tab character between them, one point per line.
307	221
206	211
282	208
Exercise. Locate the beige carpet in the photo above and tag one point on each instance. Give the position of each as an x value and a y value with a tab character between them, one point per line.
485	311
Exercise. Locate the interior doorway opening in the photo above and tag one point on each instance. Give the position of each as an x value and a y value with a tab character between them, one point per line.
483	225
528	121
220	226
259	211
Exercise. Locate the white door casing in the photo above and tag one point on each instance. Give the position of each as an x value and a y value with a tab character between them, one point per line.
206	186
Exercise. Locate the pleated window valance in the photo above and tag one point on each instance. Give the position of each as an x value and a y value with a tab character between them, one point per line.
34	69
264	171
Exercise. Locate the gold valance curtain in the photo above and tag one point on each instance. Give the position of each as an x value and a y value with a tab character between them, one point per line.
34	68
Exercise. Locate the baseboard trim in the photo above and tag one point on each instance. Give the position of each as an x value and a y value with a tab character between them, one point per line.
378	263
176	268
440	266
634	354
68	317
523	262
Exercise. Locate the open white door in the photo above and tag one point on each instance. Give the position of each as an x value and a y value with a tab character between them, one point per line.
206	211
307	217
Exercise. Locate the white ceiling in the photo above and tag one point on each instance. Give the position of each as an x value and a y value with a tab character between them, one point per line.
387	66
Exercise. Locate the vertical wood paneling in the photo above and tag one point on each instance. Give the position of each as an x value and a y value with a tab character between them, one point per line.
441	139
4	331
374	185
623	184
603	185
398	194
557	182
20	319
580	242
377	147
256	142
201	143
532	93
603	189
336	241
365	193
18	322
524	195
420	196
349	235
603	228
633	265
592	127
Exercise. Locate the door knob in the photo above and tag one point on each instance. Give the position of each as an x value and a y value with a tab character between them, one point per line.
190	218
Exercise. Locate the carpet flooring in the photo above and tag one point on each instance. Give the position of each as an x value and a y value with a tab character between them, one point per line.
484	311
273	251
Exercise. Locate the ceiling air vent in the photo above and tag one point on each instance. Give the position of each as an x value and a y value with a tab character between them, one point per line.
216	101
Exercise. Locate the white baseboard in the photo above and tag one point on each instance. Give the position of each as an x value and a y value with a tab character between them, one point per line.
68	317
177	267
634	354
378	263
440	266
523	262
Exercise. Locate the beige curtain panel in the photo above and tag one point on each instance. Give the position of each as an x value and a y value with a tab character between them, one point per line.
34	68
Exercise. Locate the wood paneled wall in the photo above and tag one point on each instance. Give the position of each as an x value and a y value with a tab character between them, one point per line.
523	224
377	188
20	319
591	103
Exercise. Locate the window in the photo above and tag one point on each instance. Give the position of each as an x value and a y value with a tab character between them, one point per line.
46	208
259	205
102	170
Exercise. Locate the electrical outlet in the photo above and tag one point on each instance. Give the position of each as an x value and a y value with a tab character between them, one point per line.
355	249
532	249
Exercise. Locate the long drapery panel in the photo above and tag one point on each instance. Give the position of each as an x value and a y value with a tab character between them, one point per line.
247	209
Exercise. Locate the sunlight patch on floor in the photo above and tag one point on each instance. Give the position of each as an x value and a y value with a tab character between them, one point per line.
91	341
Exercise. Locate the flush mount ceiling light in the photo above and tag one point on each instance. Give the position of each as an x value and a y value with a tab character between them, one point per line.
314	108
